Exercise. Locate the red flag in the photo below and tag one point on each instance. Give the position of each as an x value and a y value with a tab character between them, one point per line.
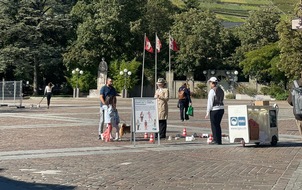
158	44
148	46
173	45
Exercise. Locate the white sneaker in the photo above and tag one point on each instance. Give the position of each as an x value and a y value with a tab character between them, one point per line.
101	136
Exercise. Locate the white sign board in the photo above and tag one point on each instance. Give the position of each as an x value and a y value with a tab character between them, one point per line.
238	123
296	24
145	117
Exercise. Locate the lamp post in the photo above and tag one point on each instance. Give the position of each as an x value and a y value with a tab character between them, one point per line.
126	74
205	74
232	78
76	91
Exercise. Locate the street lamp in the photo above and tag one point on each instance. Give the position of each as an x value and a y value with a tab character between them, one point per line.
205	74
232	78
126	74
76	91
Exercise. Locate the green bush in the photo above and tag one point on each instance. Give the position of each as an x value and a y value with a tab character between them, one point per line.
200	91
274	90
230	96
265	90
241	89
281	96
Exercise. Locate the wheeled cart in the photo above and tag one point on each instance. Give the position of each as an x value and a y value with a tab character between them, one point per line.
253	124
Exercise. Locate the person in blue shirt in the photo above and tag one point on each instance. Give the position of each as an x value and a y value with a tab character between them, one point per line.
184	99
106	90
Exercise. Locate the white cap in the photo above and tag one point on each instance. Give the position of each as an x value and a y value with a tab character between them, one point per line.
213	79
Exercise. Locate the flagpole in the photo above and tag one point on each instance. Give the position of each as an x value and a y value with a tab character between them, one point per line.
143	69
155	73
170	85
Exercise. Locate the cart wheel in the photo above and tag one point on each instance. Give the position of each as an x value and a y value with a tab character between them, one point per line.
257	143
243	143
274	141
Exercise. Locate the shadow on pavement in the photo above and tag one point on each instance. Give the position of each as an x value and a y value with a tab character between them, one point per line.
280	144
6	183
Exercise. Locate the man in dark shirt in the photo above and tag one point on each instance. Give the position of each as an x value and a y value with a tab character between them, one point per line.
106	90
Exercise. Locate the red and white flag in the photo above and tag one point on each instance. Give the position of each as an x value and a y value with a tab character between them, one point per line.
148	46
158	44
173	45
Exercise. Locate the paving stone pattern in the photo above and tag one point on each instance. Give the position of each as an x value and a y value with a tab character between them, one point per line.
58	148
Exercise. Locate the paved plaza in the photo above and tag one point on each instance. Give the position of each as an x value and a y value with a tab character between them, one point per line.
58	148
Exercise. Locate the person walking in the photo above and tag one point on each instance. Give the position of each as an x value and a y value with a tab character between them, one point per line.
162	96
215	109
106	90
48	93
290	100
184	99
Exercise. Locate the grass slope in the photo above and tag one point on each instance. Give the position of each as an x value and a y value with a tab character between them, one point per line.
238	10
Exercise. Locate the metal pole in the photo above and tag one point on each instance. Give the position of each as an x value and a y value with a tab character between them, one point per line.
77	90
125	76
143	69
155	73
170	85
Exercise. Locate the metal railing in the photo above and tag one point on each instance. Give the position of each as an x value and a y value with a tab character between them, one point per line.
11	93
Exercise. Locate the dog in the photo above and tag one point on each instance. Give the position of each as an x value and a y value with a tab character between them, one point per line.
123	129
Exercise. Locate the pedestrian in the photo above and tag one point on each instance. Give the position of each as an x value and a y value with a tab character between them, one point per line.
48	93
111	118
291	101
162	96
215	109
106	90
184	99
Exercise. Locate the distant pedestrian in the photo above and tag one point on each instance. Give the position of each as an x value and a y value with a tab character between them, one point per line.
106	90
215	108
184	99
48	93
162	96
295	103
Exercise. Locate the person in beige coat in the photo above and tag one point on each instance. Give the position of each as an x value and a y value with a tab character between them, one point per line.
162	96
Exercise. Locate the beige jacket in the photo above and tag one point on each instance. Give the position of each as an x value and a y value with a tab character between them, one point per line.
162	95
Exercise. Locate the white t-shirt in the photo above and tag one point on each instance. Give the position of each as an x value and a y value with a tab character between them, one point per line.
48	89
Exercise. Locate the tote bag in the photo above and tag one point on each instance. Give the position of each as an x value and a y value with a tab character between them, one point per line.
190	111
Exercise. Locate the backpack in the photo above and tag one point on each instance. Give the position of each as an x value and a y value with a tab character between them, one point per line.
297	101
181	94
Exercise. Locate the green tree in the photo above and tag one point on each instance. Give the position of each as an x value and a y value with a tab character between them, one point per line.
33	36
202	40
130	81
290	44
262	64
114	29
258	30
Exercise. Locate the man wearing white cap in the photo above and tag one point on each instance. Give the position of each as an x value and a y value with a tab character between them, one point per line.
215	109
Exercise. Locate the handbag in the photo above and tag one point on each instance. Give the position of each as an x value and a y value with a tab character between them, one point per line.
190	111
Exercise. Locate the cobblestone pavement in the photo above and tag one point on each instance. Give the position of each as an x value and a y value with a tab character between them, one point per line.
58	148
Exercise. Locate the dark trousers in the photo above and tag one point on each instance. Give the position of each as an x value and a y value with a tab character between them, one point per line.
162	128
48	96
183	107
216	117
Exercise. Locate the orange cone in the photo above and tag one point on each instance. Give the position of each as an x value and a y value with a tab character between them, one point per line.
184	132
210	139
145	135
151	138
